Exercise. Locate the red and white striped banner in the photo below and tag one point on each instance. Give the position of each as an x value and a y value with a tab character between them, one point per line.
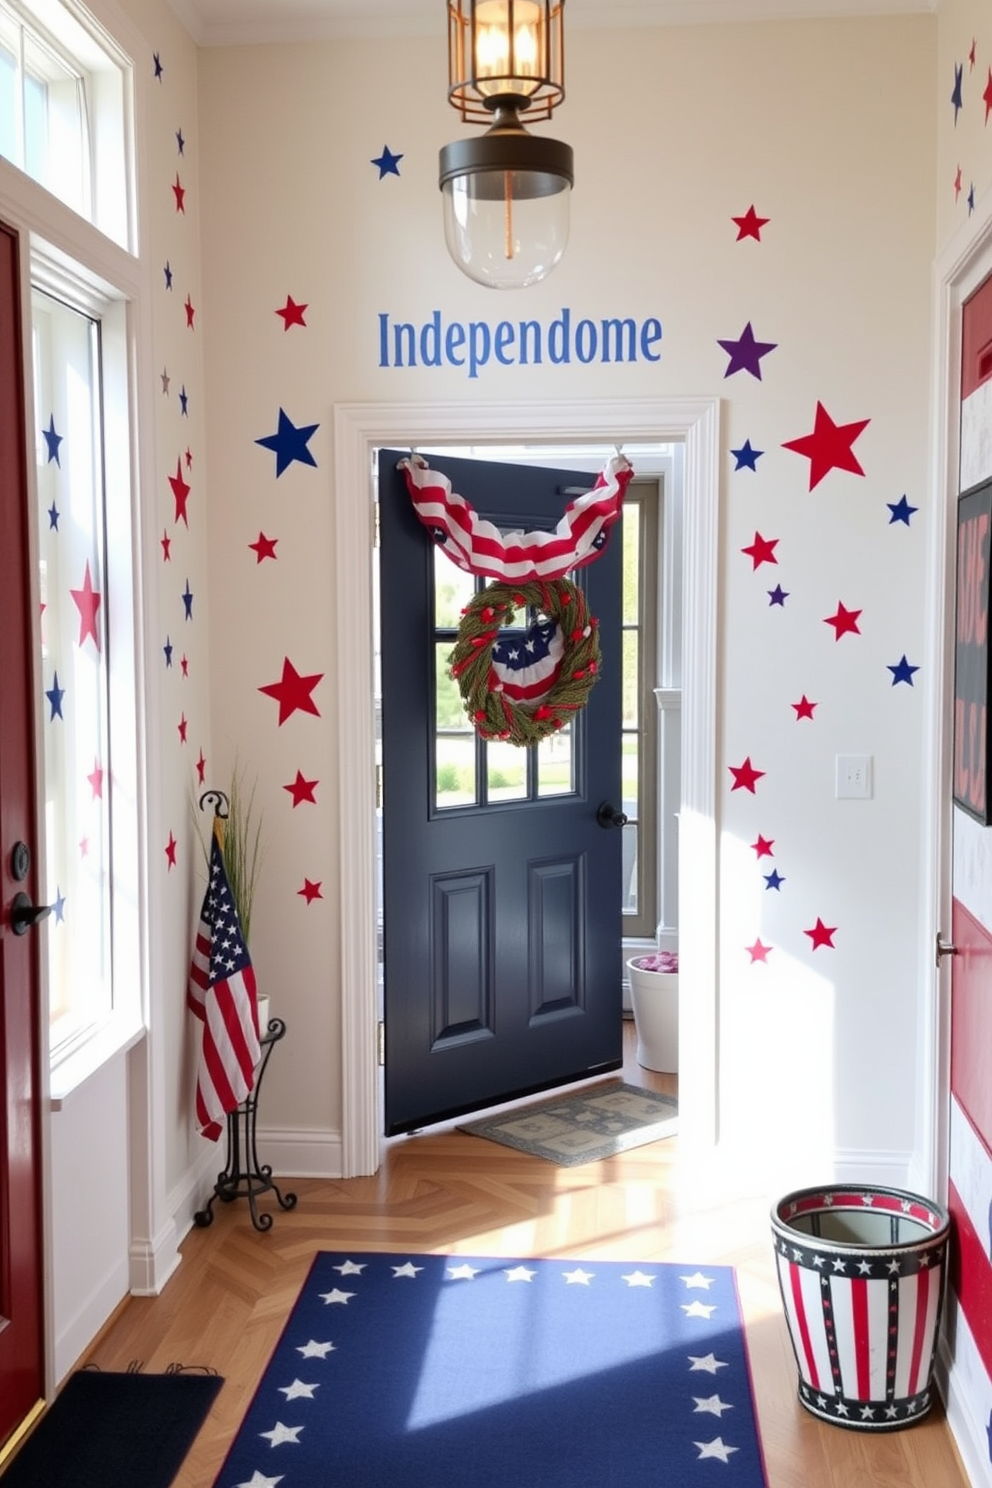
478	546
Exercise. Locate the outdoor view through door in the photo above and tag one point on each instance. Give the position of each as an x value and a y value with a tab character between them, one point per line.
501	884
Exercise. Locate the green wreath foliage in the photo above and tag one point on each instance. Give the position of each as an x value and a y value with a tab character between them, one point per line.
495	716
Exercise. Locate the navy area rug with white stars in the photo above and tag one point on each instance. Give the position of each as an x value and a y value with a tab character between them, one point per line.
471	1372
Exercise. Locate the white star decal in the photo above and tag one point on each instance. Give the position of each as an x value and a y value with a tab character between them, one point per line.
352	1268
893	1268
819	1260
715	1448
298	1390
464	1272
409	1269
864	1267
697	1279
711	1403
281	1434
259	1480
578	1277
839	1265
315	1350
337	1296
841	1408
638	1278
698	1309
519	1273
709	1362
867	1413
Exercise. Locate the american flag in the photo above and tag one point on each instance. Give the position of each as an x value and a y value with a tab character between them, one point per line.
222	995
527	662
478	547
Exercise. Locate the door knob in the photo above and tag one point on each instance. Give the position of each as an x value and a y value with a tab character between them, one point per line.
608	816
943	948
24	914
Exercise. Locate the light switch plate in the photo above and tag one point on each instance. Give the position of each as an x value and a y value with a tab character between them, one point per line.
854	777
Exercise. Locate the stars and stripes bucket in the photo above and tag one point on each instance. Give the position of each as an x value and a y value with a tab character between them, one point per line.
862	1274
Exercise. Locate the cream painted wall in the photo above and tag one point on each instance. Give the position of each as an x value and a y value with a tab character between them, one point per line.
675	132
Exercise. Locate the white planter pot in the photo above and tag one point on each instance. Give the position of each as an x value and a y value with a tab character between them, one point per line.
654	997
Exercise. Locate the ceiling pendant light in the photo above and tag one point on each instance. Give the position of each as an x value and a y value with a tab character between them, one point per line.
506	192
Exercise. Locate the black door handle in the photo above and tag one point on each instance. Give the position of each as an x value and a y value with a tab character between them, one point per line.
24	914
608	816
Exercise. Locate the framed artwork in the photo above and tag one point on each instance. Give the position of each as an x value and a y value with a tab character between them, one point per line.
971	652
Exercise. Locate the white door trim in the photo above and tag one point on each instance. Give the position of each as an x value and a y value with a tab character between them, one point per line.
360	428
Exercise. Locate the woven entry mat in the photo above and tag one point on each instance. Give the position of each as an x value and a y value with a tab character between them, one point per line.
585	1126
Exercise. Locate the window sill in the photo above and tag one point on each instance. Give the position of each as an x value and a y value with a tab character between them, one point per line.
72	1072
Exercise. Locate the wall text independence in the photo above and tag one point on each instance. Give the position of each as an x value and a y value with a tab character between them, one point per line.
516	343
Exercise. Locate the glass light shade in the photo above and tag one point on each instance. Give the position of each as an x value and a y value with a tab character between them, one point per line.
506	201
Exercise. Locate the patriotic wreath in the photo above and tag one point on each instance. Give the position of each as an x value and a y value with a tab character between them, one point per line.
523	687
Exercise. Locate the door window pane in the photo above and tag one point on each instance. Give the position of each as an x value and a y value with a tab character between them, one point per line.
555	764
506	772
453	588
77	762
454	742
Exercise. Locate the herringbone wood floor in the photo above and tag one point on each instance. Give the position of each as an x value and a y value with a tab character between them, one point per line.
446	1192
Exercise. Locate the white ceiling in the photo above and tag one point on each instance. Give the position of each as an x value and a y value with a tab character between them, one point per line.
231	22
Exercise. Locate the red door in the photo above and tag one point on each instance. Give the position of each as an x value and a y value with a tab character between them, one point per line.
21	1356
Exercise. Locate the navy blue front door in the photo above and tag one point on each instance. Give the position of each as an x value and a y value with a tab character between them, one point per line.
501	890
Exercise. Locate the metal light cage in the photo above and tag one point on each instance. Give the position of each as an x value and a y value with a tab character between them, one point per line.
526	73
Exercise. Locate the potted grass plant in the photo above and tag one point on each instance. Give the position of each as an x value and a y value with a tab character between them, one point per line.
654	998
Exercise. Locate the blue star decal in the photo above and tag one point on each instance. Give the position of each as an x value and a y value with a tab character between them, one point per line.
183	400
901	510
778	596
167	271
289	443
902	671
774	880
180	141
746	457
159	69
988	1432
53	517
188	601
55	694
956	95
388	163
53	441
167	648
971	198
59	905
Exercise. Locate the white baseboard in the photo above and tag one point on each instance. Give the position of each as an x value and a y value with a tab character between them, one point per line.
888	1169
301	1154
88	1318
152	1262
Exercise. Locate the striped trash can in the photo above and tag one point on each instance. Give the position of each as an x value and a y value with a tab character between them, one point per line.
862	1274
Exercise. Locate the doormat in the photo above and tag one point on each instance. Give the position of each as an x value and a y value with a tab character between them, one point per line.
585	1126
107	1430
469	1372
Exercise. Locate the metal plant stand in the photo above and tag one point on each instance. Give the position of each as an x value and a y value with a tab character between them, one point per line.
244	1177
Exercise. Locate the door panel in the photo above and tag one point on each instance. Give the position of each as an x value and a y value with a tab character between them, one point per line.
21	1373
501	893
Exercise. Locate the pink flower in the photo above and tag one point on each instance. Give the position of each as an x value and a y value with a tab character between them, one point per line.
665	961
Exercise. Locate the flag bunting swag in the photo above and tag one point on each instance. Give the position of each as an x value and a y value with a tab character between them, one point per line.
223	996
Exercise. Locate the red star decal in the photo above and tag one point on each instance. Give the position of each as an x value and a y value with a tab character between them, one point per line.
750	225
292	313
829	446
184	663
763	847
84	847
201	768
821	934
310	891
987	96
804	708
762	550
179	190
745	776
292	692
166	542
957	173
302	790
180	491
96	780
844	621
971	53
170	851
190	312
182	726
87	602
758	952
265	547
